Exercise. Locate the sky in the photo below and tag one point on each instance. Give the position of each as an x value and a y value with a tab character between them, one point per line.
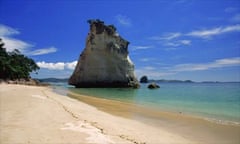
169	39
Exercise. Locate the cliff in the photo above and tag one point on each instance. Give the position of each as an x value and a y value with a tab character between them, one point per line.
104	62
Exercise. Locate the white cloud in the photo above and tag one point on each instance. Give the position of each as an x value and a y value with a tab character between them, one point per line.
215	31
156	72
71	65
11	44
149	68
178	43
228	61
236	18
171	40
220	63
185	42
43	51
146	59
141	47
57	65
7	33
172	44
51	66
205	33
168	36
152	73
123	20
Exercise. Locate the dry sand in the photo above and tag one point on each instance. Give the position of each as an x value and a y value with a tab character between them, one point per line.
31	114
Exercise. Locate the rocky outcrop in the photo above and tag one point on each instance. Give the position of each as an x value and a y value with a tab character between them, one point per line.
104	62
144	79
153	86
32	82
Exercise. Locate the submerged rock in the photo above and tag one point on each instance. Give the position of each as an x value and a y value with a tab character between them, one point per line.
153	86
104	62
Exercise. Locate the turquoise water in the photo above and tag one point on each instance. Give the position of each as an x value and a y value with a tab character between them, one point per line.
219	101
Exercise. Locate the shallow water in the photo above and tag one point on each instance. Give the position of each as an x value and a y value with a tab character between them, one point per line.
218	101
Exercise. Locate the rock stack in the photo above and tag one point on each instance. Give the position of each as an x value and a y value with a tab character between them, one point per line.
104	62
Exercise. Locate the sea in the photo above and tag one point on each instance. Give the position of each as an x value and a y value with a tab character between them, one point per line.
218	101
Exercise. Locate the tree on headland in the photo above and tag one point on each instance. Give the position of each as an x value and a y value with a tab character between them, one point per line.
14	65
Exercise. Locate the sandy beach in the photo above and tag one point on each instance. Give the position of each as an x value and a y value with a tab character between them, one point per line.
30	114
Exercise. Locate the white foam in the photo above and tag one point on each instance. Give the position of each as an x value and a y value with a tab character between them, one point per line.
95	135
223	122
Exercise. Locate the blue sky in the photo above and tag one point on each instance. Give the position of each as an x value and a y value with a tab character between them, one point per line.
182	39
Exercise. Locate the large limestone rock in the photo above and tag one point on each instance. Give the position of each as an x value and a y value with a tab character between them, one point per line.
104	62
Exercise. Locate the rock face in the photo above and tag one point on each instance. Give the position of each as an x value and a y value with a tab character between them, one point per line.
104	62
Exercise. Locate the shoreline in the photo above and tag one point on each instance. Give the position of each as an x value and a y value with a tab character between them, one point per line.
88	98
199	100
39	115
183	123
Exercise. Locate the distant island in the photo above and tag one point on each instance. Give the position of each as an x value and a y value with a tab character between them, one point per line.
171	81
46	80
187	81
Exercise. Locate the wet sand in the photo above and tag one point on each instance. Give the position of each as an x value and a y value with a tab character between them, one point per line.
195	129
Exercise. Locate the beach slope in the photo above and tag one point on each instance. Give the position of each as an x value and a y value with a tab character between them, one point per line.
30	114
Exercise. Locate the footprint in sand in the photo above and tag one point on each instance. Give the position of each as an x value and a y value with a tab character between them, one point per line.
95	135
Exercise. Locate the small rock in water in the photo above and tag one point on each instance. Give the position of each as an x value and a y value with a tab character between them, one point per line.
153	86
